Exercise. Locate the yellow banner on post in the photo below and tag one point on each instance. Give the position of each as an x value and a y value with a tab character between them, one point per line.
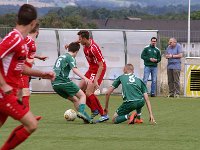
192	80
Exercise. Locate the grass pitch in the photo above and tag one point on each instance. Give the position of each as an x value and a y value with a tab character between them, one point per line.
178	127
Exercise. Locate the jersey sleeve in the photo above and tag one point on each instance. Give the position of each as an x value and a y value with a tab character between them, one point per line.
8	44
97	53
31	52
144	55
116	83
31	49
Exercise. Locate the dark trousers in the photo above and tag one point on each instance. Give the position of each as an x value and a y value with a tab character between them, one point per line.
173	81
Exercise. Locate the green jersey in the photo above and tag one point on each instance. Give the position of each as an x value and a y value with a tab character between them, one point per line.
133	88
62	68
151	52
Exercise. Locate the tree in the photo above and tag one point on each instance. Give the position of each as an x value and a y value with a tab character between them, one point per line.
195	15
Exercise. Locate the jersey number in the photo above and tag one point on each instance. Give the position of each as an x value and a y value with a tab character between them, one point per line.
58	62
92	77
131	78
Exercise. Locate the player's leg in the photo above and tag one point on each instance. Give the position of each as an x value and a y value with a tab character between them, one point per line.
122	113
135	117
83	87
114	117
91	98
101	111
81	97
96	105
124	110
3	119
75	101
138	118
97	108
22	132
67	91
18	111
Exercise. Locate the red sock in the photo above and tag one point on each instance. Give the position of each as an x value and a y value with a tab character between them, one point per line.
96	104
17	136
89	104
25	100
38	118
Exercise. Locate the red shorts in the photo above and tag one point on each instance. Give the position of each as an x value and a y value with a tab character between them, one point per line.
91	74
24	82
11	106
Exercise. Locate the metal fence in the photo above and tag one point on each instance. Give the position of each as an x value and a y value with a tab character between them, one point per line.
181	36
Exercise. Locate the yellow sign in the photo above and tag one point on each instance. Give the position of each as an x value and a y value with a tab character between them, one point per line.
191	92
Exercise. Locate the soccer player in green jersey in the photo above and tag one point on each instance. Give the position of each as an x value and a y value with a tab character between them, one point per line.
63	86
134	93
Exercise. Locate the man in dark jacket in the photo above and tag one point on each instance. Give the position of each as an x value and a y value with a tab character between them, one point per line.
151	56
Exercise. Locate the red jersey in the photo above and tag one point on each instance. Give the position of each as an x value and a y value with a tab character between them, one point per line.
31	50
13	52
93	55
24	82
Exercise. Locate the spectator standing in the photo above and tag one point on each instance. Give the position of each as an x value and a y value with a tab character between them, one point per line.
151	56
174	54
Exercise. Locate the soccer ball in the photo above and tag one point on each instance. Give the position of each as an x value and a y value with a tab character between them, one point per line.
70	115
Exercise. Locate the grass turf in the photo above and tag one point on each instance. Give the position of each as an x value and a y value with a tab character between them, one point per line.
177	127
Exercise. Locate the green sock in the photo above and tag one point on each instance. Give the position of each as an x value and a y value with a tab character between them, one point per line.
88	117
120	119
138	115
81	108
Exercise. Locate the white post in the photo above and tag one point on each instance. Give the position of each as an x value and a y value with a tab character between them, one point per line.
188	49
26	1
188	43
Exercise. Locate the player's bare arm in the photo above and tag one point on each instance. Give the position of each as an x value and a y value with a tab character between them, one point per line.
78	73
107	95
151	117
100	69
4	86
37	73
41	57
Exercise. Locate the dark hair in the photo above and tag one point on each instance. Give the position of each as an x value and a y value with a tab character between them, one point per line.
154	38
84	34
26	14
36	28
73	47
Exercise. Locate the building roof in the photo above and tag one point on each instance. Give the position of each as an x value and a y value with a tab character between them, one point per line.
166	28
147	24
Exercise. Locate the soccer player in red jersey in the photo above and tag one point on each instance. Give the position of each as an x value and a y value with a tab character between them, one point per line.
96	72
30	41
13	52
